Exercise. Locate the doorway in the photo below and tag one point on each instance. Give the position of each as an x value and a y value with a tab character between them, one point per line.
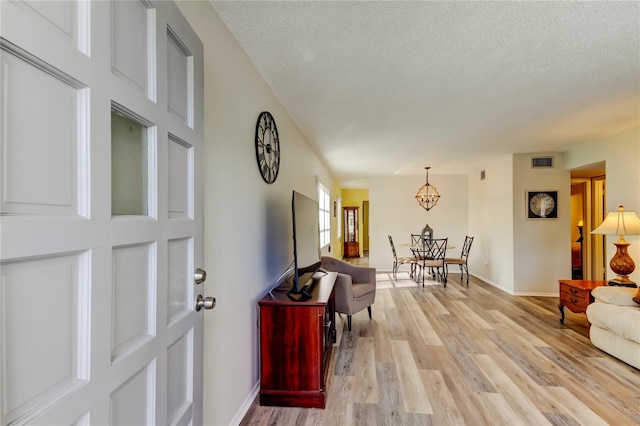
578	207
365	227
588	207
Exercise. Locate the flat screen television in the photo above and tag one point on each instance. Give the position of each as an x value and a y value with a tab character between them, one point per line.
306	244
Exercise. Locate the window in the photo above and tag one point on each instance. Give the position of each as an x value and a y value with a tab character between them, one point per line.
338	216
129	165
324	201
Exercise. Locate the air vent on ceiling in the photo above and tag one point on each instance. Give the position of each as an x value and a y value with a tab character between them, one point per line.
482	175
541	162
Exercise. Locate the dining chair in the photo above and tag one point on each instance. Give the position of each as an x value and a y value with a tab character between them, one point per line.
419	251
397	261
432	258
417	240
425	235
462	260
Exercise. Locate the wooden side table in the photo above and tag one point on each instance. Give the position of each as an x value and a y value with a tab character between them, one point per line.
576	295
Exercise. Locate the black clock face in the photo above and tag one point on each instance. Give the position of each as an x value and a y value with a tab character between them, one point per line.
267	147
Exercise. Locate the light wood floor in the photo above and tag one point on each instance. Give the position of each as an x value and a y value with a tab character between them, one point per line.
466	356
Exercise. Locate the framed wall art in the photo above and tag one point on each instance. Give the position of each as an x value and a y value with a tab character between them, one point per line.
542	204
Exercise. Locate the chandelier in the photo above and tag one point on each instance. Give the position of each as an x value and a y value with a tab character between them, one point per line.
427	195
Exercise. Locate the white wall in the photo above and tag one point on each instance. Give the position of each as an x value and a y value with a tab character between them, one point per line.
393	210
491	223
248	239
542	247
621	154
529	256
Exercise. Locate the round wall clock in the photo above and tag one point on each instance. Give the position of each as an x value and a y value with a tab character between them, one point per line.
267	147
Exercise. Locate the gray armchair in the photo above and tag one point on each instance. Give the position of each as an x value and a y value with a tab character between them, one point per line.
355	286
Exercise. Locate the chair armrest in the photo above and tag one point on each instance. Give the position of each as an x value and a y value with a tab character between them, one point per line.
344	294
344	287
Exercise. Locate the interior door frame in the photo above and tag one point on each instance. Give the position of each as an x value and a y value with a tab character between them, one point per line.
598	247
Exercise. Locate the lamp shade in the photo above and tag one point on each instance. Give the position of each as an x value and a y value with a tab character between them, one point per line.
620	222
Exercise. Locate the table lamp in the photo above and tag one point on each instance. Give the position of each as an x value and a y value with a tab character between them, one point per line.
580	226
620	223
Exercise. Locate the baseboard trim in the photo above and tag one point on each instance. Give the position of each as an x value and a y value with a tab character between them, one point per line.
246	405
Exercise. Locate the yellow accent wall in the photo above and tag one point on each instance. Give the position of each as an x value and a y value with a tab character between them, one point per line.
337	247
356	197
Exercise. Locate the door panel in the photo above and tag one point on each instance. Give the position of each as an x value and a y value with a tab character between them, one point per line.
43	318
133	402
180	77
97	319
179	378
53	148
130	24
180	185
133	297
178	294
59	19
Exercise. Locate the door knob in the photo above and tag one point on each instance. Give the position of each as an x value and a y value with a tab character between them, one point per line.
205	302
200	275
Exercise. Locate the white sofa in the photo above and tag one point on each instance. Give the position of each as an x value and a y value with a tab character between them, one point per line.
615	323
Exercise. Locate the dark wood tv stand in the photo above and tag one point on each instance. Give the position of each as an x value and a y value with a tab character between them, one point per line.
296	339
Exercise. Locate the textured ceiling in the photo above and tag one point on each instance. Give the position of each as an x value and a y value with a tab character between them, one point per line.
389	87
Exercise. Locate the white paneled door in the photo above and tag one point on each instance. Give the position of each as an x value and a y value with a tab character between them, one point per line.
101	131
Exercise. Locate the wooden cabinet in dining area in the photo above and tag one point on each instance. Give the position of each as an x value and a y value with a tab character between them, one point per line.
350	232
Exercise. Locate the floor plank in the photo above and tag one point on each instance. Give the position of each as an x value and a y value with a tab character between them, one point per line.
411	389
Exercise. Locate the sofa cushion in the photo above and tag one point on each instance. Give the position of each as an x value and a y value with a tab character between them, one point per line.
620	320
621	296
611	343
